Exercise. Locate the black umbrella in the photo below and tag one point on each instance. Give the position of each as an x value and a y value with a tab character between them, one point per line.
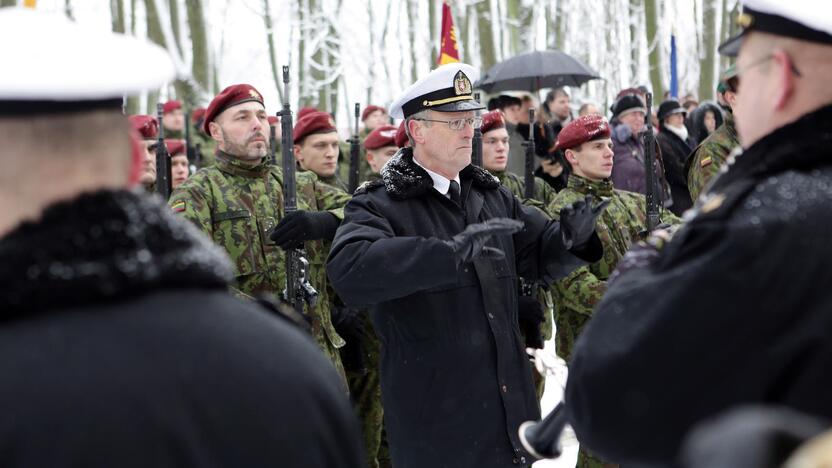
535	70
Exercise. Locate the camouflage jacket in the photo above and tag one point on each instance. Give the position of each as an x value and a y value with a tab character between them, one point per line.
710	155
543	195
237	206
618	227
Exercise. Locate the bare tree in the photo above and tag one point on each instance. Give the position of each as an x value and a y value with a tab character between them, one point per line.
709	33
651	14
488	49
413	23
155	34
200	61
173	8
277	77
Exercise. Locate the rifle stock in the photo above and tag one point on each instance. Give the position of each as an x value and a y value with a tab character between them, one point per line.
355	153
528	178
476	142
298	289
650	182
163	175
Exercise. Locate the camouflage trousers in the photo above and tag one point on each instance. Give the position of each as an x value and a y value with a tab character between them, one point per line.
365	393
588	460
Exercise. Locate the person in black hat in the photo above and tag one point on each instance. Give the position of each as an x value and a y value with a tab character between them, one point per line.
675	145
733	308
444	243
628	113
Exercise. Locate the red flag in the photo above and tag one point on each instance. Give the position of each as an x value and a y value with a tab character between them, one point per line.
448	51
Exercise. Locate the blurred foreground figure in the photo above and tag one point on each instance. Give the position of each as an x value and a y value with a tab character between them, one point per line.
119	342
734	308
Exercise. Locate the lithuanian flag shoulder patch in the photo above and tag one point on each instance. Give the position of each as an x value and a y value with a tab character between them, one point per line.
705	162
178	206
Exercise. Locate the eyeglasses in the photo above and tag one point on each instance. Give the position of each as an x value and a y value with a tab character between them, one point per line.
458	124
763	60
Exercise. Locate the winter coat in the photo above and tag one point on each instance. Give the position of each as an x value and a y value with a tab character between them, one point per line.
734	311
675	152
456	383
121	346
628	164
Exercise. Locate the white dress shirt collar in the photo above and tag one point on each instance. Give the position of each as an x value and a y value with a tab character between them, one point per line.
441	183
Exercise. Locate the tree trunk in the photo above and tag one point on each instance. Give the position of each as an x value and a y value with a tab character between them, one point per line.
709	36
277	76
467	48
434	33
133	17
371	25
173	6
154	33
68	10
635	56
383	44
413	23
488	52
653	46
514	22
8	3
556	25
117	16
528	28
201	62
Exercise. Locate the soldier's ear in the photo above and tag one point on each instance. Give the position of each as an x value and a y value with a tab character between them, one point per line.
570	156
416	129
215	131
296	152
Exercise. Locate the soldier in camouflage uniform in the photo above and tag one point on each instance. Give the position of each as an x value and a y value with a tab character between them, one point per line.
712	153
173	120
495	154
587	146
317	147
147	130
239	201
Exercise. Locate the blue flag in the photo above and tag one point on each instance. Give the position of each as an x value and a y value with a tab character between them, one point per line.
674	77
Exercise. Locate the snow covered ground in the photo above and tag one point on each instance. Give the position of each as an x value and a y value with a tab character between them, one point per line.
551	396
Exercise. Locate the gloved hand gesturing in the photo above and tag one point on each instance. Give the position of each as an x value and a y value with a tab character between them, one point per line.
299	226
470	243
577	221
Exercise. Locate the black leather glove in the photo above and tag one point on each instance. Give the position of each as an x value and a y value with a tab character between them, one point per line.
349	323
470	243
299	226
530	316
577	221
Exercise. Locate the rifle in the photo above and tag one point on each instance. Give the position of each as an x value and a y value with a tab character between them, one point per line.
650	192
273	144
476	142
190	151
355	150
163	175
528	178
298	289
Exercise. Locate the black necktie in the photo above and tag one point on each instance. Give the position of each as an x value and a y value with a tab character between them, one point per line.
453	191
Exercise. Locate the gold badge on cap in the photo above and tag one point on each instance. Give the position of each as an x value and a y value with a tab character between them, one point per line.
744	20
462	85
255	95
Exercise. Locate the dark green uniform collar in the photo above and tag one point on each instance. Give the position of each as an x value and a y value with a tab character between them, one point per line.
602	188
233	165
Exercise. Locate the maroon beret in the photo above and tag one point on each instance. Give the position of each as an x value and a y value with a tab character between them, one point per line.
197	114
145	125
401	136
315	122
381	137
583	129
369	110
304	111
175	147
171	106
229	97
492	121
273	120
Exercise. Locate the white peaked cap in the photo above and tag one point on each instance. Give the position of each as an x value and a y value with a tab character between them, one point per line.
447	88
47	57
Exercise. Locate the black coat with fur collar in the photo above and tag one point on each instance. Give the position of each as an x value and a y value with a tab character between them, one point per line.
735	311
456	383
119	346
